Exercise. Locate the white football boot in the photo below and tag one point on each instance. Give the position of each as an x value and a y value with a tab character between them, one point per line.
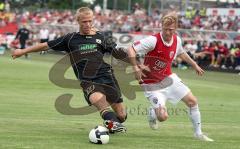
203	137
152	119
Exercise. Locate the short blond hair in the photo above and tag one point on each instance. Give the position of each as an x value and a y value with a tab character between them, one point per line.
83	10
170	18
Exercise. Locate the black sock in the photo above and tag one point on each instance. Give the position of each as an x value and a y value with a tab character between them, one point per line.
109	115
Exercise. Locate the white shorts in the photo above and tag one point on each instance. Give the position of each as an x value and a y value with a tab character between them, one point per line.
171	88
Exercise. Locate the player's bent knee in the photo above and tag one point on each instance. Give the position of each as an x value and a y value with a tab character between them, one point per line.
192	103
97	98
99	101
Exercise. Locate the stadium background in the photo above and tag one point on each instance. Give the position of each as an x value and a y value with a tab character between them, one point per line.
29	118
131	20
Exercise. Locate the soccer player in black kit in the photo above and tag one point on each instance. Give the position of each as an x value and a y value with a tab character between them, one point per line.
86	49
23	35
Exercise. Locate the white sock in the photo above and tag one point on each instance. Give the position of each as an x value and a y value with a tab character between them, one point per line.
195	117
152	113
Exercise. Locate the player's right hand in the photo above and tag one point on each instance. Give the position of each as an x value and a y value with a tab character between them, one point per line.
17	53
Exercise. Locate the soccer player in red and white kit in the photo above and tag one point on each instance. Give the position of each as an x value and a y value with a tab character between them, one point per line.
156	78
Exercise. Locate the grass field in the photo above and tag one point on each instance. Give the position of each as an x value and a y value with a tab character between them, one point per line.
29	120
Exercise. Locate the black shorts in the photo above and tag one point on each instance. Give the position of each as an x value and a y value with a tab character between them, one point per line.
107	85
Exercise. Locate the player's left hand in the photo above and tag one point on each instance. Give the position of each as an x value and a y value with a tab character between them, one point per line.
199	70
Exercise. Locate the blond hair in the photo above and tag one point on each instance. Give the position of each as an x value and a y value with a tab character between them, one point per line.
83	10
169	19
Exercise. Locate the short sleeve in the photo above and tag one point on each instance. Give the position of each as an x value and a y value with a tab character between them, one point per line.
145	45
179	49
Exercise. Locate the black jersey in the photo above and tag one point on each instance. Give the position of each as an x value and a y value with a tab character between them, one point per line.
86	53
23	34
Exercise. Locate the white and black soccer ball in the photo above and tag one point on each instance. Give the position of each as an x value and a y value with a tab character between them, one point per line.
99	135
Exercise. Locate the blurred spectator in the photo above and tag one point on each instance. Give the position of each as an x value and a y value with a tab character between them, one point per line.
214	50
191	48
7	6
2	6
126	28
2	44
202	12
206	56
14	44
136	7
237	58
97	9
44	36
52	35
222	55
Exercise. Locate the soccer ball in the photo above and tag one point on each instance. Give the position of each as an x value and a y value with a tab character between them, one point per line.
99	135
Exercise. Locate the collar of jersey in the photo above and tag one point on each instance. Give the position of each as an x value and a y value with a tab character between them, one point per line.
166	43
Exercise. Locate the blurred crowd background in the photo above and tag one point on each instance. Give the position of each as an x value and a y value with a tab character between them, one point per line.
210	29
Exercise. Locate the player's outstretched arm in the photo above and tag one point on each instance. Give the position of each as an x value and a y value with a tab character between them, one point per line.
184	56
39	47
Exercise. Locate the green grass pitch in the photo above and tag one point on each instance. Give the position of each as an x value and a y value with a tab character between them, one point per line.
29	120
